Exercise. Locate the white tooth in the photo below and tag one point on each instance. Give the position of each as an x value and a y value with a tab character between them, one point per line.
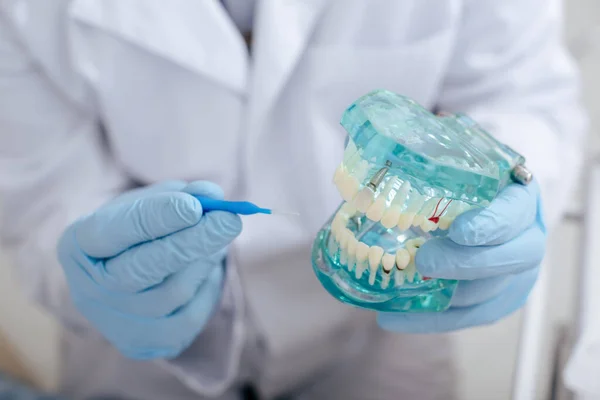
348	210
375	254
402	193
338	219
340	180
338	228
446	219
349	151
375	212
349	187
389	186
364	199
340	171
440	212
398	278
346	235
388	261
372	276
340	187
390	217
334	227
428	226
418	220
341	233
462	207
428	207
339	223
402	258
385	281
360	268
419	241
415	203
352	245
405	221
362	170
410	271
337	234
362	253
452	209
413	245
425	212
445	223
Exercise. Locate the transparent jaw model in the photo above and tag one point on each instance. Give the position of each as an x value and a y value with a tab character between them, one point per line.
406	175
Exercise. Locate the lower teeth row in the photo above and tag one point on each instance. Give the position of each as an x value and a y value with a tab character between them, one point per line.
359	257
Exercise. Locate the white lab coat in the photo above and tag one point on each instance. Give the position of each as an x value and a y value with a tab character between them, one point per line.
96	96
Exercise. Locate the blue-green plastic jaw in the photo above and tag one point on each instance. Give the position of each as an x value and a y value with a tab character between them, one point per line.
449	156
405	176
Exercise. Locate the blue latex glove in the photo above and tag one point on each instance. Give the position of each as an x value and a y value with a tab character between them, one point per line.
147	269
495	253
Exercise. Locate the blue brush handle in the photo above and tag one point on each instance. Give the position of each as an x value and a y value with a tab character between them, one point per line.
236	207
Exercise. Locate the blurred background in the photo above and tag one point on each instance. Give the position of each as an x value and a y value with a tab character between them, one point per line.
523	355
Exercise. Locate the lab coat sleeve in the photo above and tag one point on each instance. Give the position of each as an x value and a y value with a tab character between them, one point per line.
212	364
511	72
55	166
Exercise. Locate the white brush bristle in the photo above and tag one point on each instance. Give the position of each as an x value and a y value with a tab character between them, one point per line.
289	213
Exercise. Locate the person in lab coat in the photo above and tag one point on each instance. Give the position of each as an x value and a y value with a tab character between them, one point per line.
113	112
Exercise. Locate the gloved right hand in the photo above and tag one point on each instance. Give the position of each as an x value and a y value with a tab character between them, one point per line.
146	270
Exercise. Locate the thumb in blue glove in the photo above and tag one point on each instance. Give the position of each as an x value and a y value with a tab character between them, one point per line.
146	270
494	252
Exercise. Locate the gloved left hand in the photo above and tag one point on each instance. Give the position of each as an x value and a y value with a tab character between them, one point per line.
146	270
495	252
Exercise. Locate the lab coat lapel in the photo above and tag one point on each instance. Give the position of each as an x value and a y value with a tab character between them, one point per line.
281	33
197	35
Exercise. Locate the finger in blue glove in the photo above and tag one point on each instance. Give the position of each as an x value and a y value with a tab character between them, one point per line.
494	252
147	271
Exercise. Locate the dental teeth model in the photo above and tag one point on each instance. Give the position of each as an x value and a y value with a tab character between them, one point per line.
406	175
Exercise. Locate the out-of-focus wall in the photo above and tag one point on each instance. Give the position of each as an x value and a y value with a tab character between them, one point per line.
29	331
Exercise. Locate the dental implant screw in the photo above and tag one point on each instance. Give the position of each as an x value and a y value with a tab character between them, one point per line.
378	177
521	175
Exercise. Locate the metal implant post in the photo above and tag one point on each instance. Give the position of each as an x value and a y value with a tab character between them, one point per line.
522	175
378	177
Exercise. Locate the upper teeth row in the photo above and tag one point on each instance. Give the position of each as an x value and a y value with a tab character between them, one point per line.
358	256
397	203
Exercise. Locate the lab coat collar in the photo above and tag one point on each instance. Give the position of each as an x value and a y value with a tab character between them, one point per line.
282	31
198	35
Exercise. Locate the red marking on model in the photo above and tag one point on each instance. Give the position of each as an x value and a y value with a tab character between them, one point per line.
435	219
426	278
